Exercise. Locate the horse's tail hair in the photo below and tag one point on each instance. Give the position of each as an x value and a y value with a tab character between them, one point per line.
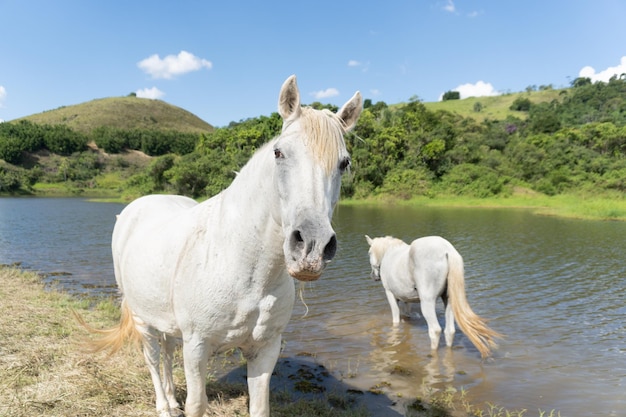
472	325
113	339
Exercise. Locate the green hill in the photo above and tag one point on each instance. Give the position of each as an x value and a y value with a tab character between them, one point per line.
123	113
496	107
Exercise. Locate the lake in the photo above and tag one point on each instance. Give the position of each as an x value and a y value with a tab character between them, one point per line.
554	287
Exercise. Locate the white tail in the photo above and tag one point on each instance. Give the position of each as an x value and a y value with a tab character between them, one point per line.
472	325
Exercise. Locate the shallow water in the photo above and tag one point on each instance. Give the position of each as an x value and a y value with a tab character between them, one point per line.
553	286
61	236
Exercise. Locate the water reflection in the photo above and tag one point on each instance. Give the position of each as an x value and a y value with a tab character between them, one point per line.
393	349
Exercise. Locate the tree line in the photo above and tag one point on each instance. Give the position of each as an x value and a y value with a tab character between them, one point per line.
573	144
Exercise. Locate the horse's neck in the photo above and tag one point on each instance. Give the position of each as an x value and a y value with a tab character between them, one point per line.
397	249
250	203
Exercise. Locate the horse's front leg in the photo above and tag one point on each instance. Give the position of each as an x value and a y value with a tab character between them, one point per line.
261	364
196	357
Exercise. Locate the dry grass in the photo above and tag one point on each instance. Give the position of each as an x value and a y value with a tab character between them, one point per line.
123	113
45	370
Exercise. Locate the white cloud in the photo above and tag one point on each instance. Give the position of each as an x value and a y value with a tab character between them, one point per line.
479	89
449	6
375	92
589	72
3	94
173	65
329	92
364	66
151	93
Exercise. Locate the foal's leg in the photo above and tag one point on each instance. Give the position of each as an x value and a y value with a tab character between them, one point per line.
169	344
449	330
196	358
152	354
395	309
260	368
434	329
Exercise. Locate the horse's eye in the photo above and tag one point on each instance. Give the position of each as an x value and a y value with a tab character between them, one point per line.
278	154
344	164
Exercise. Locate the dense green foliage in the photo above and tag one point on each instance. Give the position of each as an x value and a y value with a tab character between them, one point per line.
30	137
574	143
451	95
150	142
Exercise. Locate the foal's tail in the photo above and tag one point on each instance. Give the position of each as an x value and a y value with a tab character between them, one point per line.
472	325
113	339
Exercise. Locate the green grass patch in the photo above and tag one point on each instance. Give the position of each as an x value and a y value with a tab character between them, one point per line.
110	181
608	207
494	107
66	189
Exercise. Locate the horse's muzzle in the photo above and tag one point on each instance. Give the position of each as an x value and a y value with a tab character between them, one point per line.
306	259
304	275
375	274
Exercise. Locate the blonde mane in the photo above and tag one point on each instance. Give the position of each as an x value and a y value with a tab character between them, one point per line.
324	134
382	244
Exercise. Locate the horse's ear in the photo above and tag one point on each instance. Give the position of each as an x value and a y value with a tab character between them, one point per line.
351	111
289	99
369	240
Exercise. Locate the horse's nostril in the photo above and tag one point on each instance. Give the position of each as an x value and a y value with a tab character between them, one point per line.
330	249
296	242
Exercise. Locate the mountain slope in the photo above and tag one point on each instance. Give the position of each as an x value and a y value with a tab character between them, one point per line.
123	113
495	107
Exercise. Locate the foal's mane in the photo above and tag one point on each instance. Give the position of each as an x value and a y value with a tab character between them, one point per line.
323	132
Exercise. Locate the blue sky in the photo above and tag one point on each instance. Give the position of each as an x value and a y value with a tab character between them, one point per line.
226	60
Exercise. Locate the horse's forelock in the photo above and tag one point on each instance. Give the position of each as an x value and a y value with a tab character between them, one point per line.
323	131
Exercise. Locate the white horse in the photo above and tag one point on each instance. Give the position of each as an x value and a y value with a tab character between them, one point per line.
428	268
219	274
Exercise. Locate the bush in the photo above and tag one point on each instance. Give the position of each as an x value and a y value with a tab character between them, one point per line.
62	140
10	150
521	104
474	180
109	140
10	180
451	95
407	183
183	144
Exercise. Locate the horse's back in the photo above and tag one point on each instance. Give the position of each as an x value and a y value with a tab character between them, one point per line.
148	210
431	247
154	207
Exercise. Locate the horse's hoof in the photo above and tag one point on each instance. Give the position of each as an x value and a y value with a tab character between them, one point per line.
176	412
172	412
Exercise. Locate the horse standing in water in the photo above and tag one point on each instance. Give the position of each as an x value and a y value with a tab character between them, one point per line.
219	274
428	268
